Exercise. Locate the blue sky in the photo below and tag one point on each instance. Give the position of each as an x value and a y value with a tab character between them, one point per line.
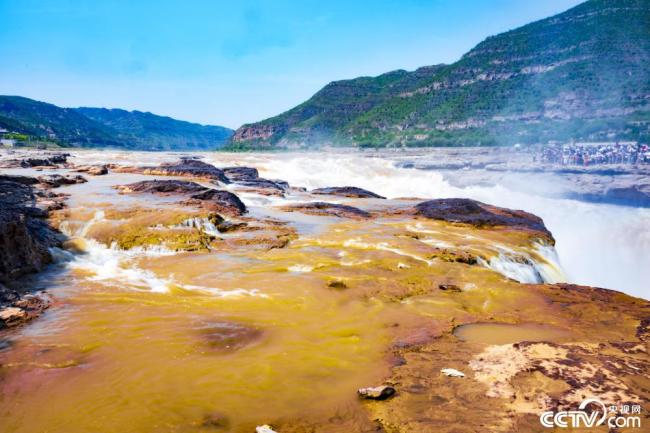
231	62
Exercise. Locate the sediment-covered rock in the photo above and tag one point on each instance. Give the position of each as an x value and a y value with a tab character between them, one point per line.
224	202
236	174
93	170
57	180
377	393
162	187
196	195
346	191
328	209
187	167
33	159
25	236
475	213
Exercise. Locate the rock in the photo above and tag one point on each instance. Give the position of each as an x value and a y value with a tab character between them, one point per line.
24	180
236	174
328	209
265	186
228	336
7	296
164	187
219	201
215	420
188	167
56	180
229	226
452	372
337	284
346	191
11	316
466	211
264	429
224	202
377	393
449	287
25	236
93	170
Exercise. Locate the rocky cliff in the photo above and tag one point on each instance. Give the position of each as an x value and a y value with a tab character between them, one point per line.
582	74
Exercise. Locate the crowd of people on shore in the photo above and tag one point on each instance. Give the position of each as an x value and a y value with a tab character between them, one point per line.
594	154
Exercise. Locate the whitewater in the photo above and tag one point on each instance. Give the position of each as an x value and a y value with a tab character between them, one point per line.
597	244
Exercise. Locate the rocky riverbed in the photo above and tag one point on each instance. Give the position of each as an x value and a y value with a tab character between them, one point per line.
198	294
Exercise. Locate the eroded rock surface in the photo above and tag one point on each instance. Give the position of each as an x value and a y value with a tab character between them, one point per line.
346	191
328	209
467	211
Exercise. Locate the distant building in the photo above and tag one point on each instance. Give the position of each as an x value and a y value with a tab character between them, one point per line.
7	142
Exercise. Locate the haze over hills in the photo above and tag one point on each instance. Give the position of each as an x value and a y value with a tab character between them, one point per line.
100	127
583	74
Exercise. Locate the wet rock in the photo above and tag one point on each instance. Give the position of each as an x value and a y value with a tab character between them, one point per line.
188	167
229	226
346	191
224	202
215	420
7	296
264	429
25	236
44	159
466	211
164	187
228	336
93	170
451	372
337	284
377	393
57	180
11	316
449	287
328	209
264	186
24	180
23	309
236	174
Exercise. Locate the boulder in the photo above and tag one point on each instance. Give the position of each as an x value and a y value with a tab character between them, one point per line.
346	191
328	209
93	170
224	202
264	186
188	167
57	180
475	213
236	174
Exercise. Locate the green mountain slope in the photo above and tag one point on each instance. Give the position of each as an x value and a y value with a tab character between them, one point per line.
63	125
99	127
583	74
149	131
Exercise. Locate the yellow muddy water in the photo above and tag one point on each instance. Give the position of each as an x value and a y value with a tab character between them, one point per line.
506	333
225	340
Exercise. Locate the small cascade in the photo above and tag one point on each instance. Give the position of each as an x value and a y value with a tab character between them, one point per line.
540	267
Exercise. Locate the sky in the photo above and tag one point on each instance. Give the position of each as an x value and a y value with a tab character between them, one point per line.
232	62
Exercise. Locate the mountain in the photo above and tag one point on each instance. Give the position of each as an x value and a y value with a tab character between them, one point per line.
583	74
149	131
100	127
46	121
